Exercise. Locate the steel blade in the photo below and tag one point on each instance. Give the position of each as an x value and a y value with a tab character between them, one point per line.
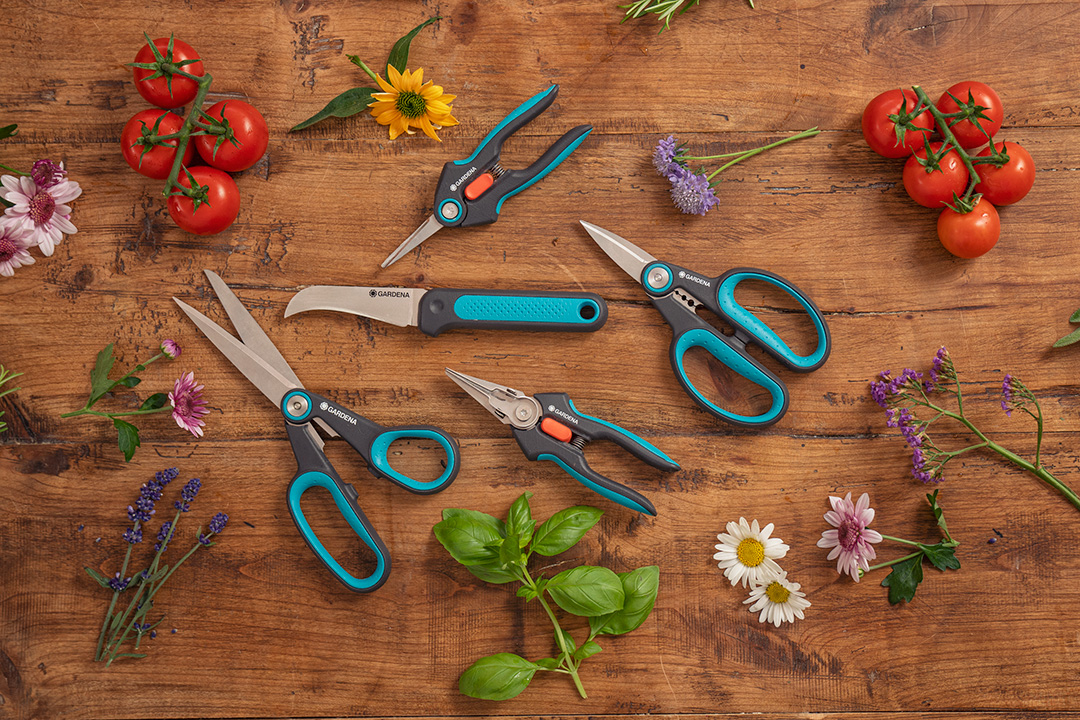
397	306
481	390
626	254
420	234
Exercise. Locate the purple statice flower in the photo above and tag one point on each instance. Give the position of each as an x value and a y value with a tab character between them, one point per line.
46	173
217	524
691	192
187	495
118	583
663	157
1007	394
937	368
918	466
170	348
163	536
133	535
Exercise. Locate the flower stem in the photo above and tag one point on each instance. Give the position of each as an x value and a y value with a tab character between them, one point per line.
891	562
84	411
11	169
757	151
899	540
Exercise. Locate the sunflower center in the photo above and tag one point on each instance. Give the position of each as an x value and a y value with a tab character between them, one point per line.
751	552
41	207
777	593
848	534
410	104
7	249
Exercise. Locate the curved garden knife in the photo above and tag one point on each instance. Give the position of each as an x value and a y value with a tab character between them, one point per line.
434	311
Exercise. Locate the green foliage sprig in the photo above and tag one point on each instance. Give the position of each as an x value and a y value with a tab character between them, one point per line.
907	571
665	10
498	552
1072	337
6	376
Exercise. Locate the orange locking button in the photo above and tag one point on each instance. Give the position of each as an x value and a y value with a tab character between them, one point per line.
556	429
478	186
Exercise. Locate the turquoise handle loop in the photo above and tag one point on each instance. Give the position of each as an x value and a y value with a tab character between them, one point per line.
725	297
379	459
310	479
732	358
537	309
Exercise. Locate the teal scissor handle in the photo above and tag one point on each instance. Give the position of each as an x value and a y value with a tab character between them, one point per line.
379	462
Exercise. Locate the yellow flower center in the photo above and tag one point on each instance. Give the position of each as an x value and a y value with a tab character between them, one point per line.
777	593
410	104
751	552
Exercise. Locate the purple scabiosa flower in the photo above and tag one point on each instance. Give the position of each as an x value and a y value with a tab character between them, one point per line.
117	583
46	173
170	348
663	156
163	536
691	192
133	535
1007	394
187	495
188	405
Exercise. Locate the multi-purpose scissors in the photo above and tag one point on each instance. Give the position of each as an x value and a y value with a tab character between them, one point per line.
677	291
472	191
549	427
262	364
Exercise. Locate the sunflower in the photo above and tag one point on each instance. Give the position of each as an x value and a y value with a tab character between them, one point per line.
408	102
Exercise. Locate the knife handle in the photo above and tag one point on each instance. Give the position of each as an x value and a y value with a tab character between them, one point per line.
445	308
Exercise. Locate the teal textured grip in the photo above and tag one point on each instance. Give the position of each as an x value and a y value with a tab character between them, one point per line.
731	358
526	309
311	479
725	297
595	487
640	441
521	110
379	459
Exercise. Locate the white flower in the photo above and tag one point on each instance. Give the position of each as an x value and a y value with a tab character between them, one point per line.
778	600
747	553
41	211
14	243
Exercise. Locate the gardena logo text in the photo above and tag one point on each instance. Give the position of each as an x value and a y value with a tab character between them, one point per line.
334	411
463	178
390	293
694	278
560	413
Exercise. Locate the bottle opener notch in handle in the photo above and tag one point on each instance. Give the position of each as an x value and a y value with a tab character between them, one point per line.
444	309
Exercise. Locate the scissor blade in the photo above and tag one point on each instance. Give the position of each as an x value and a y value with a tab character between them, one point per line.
397	306
420	234
481	390
626	254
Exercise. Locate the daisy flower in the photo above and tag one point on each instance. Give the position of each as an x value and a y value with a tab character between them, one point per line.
408	102
41	210
188	405
747	553
850	541
14	243
778	600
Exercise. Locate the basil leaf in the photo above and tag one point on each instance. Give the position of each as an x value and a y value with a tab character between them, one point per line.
571	646
903	579
1075	317
346	104
154	402
497	677
127	437
492	573
564	529
99	376
510	551
520	521
587	650
399	54
548	663
639	590
498	525
942	557
587	591
526	592
466	539
101	579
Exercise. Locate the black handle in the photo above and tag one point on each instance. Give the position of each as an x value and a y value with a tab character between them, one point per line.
445	308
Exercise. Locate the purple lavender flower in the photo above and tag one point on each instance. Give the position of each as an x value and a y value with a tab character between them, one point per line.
164	477
46	173
163	536
1007	394
133	535
117	583
663	157
187	495
217	524
691	192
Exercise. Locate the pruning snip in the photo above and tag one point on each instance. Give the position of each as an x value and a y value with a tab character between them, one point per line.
472	191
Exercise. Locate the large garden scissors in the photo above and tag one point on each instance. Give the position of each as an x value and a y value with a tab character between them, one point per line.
677	291
262	364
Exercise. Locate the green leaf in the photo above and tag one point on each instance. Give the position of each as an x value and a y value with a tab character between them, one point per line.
493	573
520	521
130	381
399	54
346	104
497	677
587	590
571	646
564	529
903	579
587	650
941	556
548	663
468	539
526	592
155	401
1075	317
128	436
8	130
1069	339
639	596
510	551
496	524
939	512
101	579
99	376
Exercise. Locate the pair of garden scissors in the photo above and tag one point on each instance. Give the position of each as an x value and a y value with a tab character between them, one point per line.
472	191
262	364
549	427
677	291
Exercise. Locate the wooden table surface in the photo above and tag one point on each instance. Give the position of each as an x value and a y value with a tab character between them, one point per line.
265	632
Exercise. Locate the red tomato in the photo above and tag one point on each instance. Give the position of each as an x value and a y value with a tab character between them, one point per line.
969	235
156	91
1009	183
880	131
248	129
967	134
157	161
215	214
933	189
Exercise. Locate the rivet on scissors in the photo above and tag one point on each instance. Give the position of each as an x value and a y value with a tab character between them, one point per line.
658	277
449	211
523	412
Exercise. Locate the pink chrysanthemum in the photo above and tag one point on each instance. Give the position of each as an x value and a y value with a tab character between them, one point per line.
170	348
850	541
40	211
188	405
14	243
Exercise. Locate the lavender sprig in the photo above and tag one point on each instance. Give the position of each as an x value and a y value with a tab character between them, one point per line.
901	397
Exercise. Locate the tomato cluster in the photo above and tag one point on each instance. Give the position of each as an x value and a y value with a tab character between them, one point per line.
229	136
936	140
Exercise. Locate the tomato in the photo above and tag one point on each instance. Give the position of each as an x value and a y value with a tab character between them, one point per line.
157	161
156	91
248	129
967	134
969	235
1009	183
933	189
880	131
217	213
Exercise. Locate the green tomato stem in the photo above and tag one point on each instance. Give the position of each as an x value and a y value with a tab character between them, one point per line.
184	135
943	128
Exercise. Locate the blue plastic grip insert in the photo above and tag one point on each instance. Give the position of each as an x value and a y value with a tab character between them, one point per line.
539	176
725	296
522	108
311	479
379	459
503	308
613	497
640	441
730	357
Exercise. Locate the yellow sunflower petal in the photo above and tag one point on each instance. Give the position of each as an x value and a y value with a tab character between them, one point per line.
417	80
395	78
390	89
387	117
447	121
434	107
431	91
384	96
448	98
398	125
425	125
381	106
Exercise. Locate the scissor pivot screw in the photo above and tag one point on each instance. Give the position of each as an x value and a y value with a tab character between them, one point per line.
658	278
298	405
449	211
